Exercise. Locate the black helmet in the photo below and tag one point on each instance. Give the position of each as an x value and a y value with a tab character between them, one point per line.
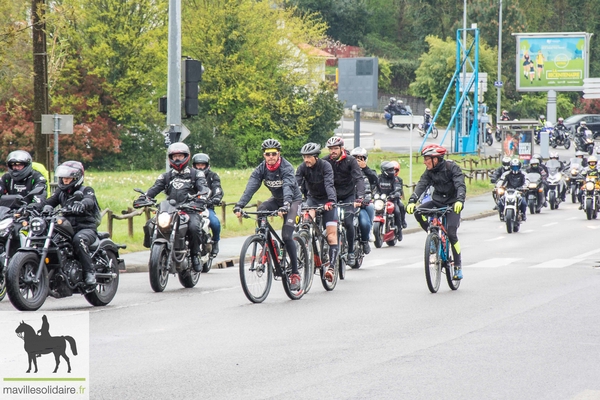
271	144
178	148
201	158
335	141
70	169
22	157
387	169
359	152
311	149
506	162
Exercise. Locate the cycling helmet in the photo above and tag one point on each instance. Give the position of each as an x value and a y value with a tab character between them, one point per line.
554	155
271	144
70	169
427	111
335	141
592	161
396	165
359	152
201	158
515	166
561	120
311	149
22	157
433	150
387	169
178	148
392	100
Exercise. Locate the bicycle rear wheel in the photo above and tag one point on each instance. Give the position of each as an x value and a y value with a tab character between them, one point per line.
343	256
310	265
453	283
256	269
302	255
327	285
433	261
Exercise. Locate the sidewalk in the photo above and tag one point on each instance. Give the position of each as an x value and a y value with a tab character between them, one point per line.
475	208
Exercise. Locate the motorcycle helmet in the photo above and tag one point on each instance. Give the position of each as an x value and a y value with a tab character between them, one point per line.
536	155
561	120
396	165
542	117
433	150
506	163
392	100
592	161
534	163
70	169
19	157
335	141
427	111
387	169
311	149
360	152
583	123
399	102
271	144
504	112
515	166
580	153
554	155
201	158
178	148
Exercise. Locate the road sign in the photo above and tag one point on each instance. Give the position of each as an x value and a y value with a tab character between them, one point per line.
498	84
182	130
591	88
65	124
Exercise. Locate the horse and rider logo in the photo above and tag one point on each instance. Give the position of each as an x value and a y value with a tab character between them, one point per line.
40	343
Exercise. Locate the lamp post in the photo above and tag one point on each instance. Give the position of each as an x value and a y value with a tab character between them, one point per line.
499	88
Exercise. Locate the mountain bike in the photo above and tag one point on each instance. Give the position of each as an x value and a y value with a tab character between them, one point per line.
438	253
314	234
263	256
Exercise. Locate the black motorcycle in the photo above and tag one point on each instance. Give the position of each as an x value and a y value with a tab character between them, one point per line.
47	265
560	138
535	192
169	248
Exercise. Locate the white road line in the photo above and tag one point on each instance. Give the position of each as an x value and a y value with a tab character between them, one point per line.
589	253
593	226
572	218
494	239
416	265
550	224
557	263
493	263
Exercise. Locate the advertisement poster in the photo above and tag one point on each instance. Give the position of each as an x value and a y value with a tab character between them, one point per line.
552	61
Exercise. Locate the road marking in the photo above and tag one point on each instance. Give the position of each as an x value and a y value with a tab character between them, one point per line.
589	253
557	263
571	219
593	226
493	263
494	239
416	265
550	224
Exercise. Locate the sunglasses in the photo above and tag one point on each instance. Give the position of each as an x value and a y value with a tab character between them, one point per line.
360	158
270	154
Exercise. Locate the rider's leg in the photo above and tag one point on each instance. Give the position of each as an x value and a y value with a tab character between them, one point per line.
215	227
81	244
287	234
422	219
453	220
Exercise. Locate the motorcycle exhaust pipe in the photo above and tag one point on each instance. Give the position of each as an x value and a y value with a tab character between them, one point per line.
102	275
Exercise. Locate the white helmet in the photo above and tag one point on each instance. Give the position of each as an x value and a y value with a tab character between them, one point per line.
427	111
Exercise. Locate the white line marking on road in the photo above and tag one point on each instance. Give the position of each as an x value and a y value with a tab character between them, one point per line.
550	224
593	226
589	253
494	239
572	218
493	263
557	263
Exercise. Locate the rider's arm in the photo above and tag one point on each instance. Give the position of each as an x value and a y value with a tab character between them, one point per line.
216	188
159	186
39	182
253	185
201	185
357	178
328	181
289	181
459	182
300	172
421	187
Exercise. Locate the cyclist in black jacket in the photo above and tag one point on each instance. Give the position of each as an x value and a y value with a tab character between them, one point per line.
367	211
448	182
201	162
315	178
278	176
349	186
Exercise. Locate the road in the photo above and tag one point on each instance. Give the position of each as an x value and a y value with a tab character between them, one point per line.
523	325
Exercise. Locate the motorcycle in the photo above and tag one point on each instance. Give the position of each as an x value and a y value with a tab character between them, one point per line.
384	224
498	134
169	250
560	138
46	264
586	143
575	179
511	199
590	196
489	137
535	192
422	129
546	129
556	184
389	115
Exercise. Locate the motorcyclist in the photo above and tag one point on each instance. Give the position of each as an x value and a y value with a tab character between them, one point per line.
315	179
590	170
21	178
513	179
392	188
178	184
401	107
349	186
84	216
581	155
542	120
497	174
536	167
367	210
448	182
400	184
554	156
201	162
427	118
579	135
279	177
504	116
392	107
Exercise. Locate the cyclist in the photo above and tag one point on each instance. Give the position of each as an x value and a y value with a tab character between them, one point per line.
21	178
277	174
367	210
513	179
201	162
391	186
448	182
315	178
349	186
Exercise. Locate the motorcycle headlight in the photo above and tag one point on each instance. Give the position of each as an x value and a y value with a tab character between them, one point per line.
164	220
378	204
589	185
383	196
573	172
500	191
5	223
532	186
37	226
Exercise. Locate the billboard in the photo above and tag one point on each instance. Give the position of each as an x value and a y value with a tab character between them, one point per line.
552	61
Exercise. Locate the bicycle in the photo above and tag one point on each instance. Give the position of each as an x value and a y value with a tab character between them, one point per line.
343	241
263	255
438	254
312	231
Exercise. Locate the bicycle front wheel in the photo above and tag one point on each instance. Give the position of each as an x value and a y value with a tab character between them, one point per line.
433	261
303	261
310	265
256	269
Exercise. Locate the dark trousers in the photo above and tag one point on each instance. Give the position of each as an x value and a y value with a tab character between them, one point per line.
453	221
81	245
193	233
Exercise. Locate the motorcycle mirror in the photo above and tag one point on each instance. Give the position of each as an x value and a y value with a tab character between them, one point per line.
139	190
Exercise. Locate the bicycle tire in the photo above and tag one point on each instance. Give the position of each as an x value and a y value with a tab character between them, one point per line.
302	256
452	283
341	263
310	272
256	269
433	261
329	286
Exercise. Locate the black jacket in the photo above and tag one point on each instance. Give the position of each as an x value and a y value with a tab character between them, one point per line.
90	219
177	185
498	173
512	181
448	181
281	182
347	176
23	187
390	186
214	184
317	181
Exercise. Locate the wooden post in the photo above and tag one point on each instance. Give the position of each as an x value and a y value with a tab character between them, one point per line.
109	222
223	212
130	222
147	213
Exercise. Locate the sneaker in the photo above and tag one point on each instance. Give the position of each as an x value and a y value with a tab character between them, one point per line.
581	206
295	282
215	249
404	225
329	274
366	248
457	272
351	259
501	216
545	203
196	264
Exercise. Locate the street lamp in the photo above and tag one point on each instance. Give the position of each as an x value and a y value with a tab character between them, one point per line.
499	85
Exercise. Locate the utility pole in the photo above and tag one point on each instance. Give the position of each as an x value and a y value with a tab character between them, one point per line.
499	88
40	82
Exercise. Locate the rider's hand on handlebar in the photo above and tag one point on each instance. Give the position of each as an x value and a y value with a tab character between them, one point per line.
283	209
78	207
329	205
410	208
48	209
358	202
237	210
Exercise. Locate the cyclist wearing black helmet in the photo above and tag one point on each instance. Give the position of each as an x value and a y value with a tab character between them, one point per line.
279	177
315	179
85	216
201	162
349	186
177	184
448	182
367	210
21	178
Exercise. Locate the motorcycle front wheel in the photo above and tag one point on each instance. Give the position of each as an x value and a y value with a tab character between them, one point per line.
573	194
23	292
552	200
589	209
189	278
377	234
509	218
106	288
389	123
159	274
567	143
434	132
489	140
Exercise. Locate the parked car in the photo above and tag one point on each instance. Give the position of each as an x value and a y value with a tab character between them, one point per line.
591	120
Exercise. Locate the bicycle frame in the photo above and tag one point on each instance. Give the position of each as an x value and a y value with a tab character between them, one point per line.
265	229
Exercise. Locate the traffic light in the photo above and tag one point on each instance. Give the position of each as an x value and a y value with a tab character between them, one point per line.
192	76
